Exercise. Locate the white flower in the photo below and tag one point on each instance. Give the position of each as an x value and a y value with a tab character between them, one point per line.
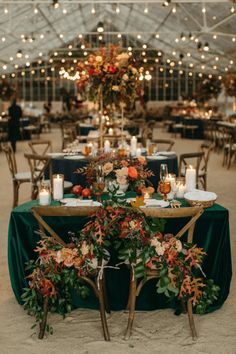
123	57
84	248
178	245
121	180
115	88
132	224
125	77
158	246
122	172
134	71
98	58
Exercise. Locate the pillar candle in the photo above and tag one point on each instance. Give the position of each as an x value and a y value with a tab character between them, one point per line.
107	146
138	152
133	145
190	178
44	197
110	131
171	178
58	187
180	191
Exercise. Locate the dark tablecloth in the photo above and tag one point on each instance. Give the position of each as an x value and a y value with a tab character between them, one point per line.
68	167
211	233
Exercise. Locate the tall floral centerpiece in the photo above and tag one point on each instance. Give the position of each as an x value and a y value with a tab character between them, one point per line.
109	77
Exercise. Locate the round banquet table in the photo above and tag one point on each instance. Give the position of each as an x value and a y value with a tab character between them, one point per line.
67	166
211	233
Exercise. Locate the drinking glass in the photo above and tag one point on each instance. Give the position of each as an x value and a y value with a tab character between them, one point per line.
98	187
164	188
163	171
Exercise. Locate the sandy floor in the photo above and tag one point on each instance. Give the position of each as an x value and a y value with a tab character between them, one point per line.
154	332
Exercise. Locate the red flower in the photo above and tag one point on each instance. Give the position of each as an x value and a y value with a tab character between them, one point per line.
91	72
132	172
112	69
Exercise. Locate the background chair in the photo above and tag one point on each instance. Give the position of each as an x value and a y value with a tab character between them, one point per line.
193	159
40	147
163	144
206	148
38	165
17	177
136	286
95	280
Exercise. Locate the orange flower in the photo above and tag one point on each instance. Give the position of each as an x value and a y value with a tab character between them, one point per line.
132	172
124	163
142	160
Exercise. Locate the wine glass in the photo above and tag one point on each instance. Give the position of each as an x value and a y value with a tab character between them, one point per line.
163	171
164	188
98	187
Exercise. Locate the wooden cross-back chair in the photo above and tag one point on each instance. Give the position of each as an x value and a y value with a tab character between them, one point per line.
192	158
40	147
163	143
38	165
17	177
206	148
136	285
69	133
96	280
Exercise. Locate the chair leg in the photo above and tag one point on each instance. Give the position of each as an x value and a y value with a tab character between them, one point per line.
42	325
106	303
102	311
132	297
15	194
191	320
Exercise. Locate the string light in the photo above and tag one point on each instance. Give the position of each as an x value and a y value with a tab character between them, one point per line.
36	10
6	11
157	35
174	10
232	10
119	35
61	35
3	39
93	11
64	11
42	36
203	10
4	67
215	36
166	3
117	9
55	4
145	9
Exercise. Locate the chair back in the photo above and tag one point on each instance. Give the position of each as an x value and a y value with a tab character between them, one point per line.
206	149
165	143
187	212
38	165
40	147
193	159
43	211
11	160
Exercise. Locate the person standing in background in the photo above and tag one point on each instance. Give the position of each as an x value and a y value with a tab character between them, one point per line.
15	113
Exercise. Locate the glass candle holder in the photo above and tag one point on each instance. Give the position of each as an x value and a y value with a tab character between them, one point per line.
44	194
98	188
58	186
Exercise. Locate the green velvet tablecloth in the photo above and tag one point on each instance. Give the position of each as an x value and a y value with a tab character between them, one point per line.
211	233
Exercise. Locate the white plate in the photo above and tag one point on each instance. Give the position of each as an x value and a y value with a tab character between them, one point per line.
74	157
73	202
167	153
155	203
55	154
67	200
154	157
201	196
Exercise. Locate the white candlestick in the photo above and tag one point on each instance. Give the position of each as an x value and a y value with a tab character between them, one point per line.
181	190
138	152
190	178
107	146
171	179
110	131
133	145
58	187
44	197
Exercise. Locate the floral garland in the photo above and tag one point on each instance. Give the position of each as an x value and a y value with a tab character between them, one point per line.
139	242
121	170
110	74
208	89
